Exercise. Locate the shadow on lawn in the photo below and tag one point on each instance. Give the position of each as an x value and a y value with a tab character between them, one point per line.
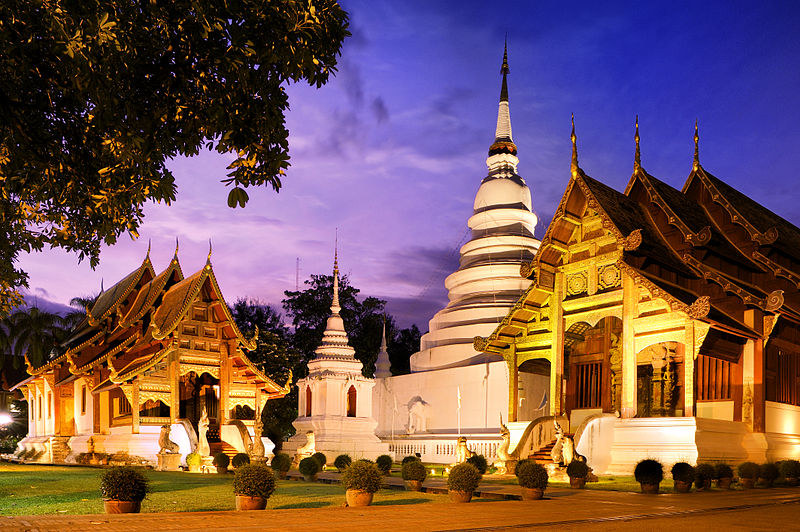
400	502
306	504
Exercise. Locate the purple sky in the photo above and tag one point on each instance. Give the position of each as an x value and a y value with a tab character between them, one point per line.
392	150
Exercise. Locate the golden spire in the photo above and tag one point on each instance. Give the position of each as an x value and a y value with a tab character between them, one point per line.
574	165
696	161
175	257
208	260
637	158
335	304
149	242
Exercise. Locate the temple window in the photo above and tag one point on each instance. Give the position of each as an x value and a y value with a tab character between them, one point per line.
49	405
713	379
351	402
83	399
124	406
308	401
588	389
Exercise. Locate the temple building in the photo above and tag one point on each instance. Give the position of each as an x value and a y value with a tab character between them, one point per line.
154	350
453	389
667	322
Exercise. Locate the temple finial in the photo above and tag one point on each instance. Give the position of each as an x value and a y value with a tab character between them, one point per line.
504	70
101	286
208	260
149	242
637	158
175	256
335	305
574	165
696	161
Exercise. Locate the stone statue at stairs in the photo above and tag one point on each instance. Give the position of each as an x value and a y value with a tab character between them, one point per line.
203	448
166	445
462	451
506	462
257	448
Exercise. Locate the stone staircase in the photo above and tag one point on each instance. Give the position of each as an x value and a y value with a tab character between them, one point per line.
59	449
222	447
542	456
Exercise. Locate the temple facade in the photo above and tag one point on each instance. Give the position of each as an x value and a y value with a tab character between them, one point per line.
154	351
667	322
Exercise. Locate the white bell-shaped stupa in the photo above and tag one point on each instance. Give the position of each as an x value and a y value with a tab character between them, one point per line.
487	282
335	399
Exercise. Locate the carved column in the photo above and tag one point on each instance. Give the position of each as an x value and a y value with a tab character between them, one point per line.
630	299
658	386
695	334
135	407
225	382
557	343
174	386
513	383
755	392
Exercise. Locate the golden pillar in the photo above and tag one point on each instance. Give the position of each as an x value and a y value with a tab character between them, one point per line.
174	386
225	382
630	299
557	346
135	422
513	383
689	356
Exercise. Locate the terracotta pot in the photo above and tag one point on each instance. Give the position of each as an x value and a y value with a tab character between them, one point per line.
682	486
413	485
532	494
194	468
650	489
577	482
310	478
245	502
358	498
748	483
460	496
222	470
724	483
705	486
122	507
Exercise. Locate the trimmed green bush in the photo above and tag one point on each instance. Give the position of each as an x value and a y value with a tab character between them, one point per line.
464	477
414	470
321	458
649	471
281	462
704	474
531	475
361	476
309	467
221	460
723	470
790	469
194	459
768	472
479	462
748	470
409	459
124	484
254	480
240	459
384	463
577	469
683	472
342	462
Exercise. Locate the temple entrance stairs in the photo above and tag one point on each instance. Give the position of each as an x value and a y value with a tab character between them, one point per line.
542	456
59	449
216	445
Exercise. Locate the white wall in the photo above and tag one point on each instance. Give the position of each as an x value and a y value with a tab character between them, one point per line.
83	422
715	410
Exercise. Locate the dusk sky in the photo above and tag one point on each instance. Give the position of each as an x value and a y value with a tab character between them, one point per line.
392	150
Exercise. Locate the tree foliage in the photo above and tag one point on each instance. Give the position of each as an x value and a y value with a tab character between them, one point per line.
97	95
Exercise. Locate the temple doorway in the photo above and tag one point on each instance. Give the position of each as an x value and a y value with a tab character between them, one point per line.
533	386
659	378
196	392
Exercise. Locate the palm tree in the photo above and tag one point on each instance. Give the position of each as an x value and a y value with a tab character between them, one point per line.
35	331
80	304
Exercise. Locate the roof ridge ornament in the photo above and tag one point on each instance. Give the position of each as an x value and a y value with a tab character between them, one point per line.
637	158
175	257
208	260
335	307
696	160
574	165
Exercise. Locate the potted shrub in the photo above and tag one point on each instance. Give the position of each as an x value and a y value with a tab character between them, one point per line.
463	480
723	473
342	462
252	485
281	463
649	473
768	473
683	475
309	468
384	463
790	469
703	475
408	459
240	459
577	471
414	473
361	480
479	462
194	461
221	462
748	473
321	458
123	489
532	478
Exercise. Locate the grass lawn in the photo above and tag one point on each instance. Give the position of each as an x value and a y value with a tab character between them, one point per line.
29	489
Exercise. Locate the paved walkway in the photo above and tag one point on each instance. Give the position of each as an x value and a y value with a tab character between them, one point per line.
565	509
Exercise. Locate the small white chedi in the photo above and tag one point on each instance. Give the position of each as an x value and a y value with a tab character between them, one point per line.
335	399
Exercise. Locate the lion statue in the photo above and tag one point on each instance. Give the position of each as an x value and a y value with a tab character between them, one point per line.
167	446
462	451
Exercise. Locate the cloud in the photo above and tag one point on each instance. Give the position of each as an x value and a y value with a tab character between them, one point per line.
379	110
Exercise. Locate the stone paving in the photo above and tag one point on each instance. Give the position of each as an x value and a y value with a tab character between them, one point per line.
564	509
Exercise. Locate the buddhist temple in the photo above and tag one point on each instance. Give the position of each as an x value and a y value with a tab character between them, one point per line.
667	321
154	350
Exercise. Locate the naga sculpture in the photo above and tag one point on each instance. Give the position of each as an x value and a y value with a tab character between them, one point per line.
504	458
563	452
257	448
